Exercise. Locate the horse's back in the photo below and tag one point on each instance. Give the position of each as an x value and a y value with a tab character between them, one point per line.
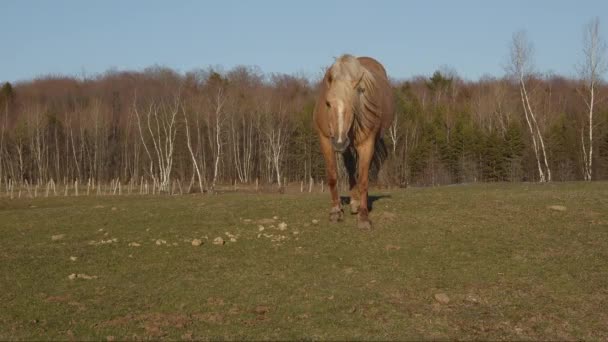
386	92
374	66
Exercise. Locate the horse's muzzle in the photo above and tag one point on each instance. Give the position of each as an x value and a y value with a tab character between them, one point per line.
340	146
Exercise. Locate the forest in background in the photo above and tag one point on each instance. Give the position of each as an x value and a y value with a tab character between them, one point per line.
207	127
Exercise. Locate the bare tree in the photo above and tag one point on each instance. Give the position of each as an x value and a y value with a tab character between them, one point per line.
277	132
216	122
521	67
591	70
3	128
199	169
162	129
393	133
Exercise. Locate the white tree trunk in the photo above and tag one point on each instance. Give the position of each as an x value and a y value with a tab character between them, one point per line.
194	162
591	70
521	52
219	102
394	134
163	138
533	132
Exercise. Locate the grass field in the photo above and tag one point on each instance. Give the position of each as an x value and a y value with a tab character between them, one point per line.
462	262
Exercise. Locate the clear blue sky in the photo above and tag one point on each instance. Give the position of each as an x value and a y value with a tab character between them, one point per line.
409	37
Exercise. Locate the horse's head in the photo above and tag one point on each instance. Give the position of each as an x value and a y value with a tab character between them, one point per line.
344	86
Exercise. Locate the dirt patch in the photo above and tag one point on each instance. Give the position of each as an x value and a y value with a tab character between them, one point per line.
57	299
120	321
214	301
152	323
210	317
261	309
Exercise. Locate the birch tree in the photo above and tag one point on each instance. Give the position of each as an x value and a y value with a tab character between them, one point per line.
199	167
6	94
521	67
216	100
277	130
218	103
393	133
162	130
591	70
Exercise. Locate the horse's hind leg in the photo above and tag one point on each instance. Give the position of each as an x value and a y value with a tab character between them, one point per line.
336	213
350	161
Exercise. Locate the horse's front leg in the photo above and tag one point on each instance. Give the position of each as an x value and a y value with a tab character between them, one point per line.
354	195
365	152
336	213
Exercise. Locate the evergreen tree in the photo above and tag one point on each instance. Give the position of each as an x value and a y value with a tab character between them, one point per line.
513	151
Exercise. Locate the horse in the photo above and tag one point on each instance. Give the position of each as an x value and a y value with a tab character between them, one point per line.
353	109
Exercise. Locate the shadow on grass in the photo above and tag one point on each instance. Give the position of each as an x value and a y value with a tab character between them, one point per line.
370	200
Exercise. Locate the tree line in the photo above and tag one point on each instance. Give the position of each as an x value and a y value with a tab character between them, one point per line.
208	127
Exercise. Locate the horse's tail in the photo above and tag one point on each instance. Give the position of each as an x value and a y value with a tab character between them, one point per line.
380	155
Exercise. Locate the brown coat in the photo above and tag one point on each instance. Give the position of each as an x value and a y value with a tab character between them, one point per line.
383	96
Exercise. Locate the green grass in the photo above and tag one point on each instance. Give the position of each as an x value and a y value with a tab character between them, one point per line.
512	268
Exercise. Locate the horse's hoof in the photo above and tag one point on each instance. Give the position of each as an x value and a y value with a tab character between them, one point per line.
364	225
354	207
336	215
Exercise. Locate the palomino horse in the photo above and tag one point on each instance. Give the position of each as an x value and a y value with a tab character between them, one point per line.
354	108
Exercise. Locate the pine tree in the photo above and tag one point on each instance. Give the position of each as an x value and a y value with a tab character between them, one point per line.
513	151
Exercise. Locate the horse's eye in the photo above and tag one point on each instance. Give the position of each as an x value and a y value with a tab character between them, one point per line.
327	104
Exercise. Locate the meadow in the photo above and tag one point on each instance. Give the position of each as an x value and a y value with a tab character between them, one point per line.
488	261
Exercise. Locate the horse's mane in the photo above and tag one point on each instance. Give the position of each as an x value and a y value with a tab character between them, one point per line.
367	108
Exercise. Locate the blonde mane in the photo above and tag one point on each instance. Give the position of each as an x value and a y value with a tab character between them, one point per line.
367	110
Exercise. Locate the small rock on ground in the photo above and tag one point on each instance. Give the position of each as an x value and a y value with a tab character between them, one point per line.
197	242
134	244
392	247
557	207
218	241
315	221
261	309
74	276
442	298
57	237
282	226
473	298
